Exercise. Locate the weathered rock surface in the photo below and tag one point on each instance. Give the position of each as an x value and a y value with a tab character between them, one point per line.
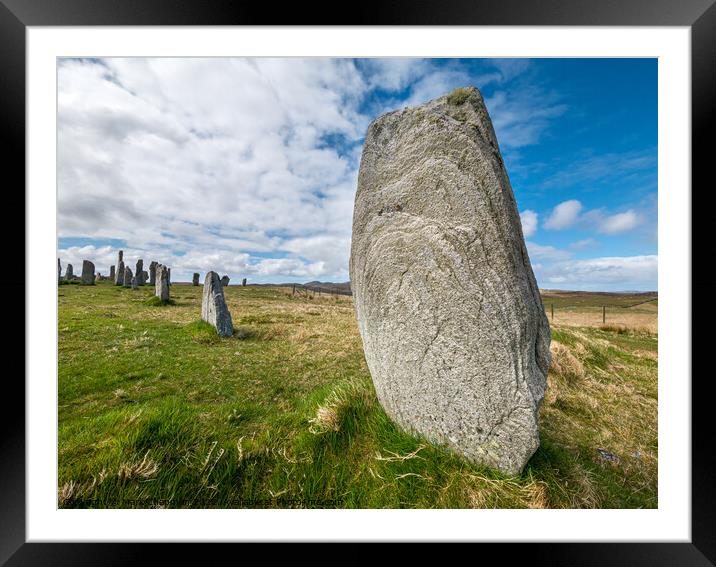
152	273
59	270
87	272
225	281
138	271
195	279
145	277
111	273
135	282
453	327
119	277
68	272
161	284
213	306
128	275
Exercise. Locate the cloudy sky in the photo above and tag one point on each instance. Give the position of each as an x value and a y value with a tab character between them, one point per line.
248	166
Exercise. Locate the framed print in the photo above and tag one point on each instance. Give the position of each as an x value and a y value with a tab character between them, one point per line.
395	279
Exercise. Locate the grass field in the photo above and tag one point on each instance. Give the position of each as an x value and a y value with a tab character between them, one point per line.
155	410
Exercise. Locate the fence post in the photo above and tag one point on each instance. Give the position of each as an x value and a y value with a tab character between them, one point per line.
604	314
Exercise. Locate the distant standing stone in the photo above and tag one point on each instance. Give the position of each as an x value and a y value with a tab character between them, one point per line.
195	279
225	281
119	277
145	277
59	270
111	273
213	306
243	282
152	273
161	284
135	283
68	272
138	271
128	275
453	327
87	272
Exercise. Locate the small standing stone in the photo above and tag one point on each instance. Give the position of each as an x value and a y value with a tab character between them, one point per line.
59	270
128	276
152	273
138	271
111	272
225	281
169	276
87	272
243	282
135	283
68	272
145	277
195	279
161	285
213	306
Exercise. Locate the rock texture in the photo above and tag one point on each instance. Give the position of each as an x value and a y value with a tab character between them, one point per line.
111	273
59	270
152	273
87	272
213	306
195	279
128	275
161	284
225	281
68	272
119	277
139	268
453	327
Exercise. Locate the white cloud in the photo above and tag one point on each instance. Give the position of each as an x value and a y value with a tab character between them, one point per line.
548	253
529	222
564	215
584	243
620	222
622	272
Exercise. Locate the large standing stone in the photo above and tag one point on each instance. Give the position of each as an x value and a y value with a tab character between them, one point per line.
225	281
161	284
243	282
111	273
453	327
119	277
68	272
195	279
87	272
128	277
213	306
152	273
138	271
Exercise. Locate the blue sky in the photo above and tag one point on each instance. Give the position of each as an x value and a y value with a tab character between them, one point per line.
248	166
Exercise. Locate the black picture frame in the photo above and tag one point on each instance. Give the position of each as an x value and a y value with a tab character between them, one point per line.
699	15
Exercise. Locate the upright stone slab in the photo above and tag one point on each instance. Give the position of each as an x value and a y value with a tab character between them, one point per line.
195	279
128	275
152	273
59	270
119	277
213	306
87	272
169	276
453	327
135	282
145	277
243	282
161	283
68	272
225	281
111	273
138	271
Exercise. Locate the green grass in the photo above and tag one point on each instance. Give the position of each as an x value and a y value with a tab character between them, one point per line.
156	410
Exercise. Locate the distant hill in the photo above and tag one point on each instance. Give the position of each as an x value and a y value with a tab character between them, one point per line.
341	287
